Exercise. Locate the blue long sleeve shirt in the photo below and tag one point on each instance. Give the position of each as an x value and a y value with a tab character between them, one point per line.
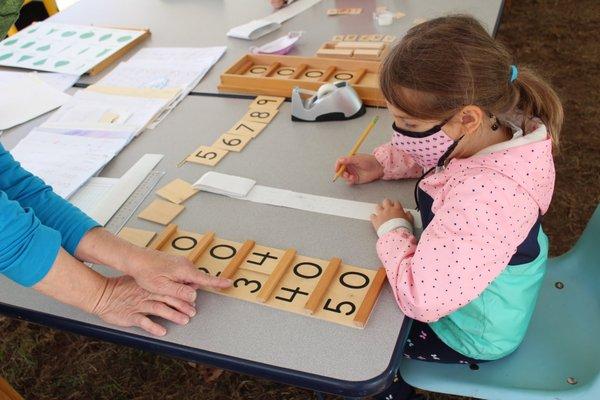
34	223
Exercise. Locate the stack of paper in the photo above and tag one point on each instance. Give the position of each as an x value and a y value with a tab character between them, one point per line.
159	68
66	158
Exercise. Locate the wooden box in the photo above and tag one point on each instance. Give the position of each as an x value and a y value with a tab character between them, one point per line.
277	75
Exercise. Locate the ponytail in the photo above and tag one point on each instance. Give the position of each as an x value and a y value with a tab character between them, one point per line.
535	98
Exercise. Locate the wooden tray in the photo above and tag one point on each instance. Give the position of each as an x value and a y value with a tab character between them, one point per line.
277	75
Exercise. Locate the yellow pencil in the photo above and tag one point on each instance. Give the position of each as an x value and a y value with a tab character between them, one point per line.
360	140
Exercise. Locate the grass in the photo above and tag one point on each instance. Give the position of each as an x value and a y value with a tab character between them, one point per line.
560	38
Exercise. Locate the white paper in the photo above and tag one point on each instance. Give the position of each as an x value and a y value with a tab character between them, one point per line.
58	81
64	48
246	189
26	97
66	160
260	27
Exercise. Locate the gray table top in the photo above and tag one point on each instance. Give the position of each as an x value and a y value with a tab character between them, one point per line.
234	327
193	23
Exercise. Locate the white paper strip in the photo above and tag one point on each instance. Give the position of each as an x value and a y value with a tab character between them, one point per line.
235	186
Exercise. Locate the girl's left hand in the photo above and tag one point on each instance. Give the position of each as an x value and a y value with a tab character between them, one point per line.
389	209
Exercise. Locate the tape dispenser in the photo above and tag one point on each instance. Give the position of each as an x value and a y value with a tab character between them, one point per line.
332	102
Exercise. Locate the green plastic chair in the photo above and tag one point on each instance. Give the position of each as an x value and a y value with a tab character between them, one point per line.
560	356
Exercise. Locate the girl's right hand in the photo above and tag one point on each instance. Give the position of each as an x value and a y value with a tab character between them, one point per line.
360	168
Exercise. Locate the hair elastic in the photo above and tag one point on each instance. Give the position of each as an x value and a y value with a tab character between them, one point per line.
514	72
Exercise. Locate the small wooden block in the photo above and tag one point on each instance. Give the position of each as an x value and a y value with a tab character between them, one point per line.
276	275
364	38
201	246
350	38
335	53
388	39
177	191
206	155
260	115
367	53
247	128
360	45
338	38
267	102
163	237
139	237
238	259
161	212
317	295
364	311
231	142
376	38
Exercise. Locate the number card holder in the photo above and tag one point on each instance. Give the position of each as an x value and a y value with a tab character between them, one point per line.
207	155
267	102
232	142
246	127
262	115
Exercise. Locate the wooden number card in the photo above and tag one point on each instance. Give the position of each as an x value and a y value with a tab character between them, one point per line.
206	155
231	142
249	128
262	115
160	211
276	75
281	279
267	102
139	237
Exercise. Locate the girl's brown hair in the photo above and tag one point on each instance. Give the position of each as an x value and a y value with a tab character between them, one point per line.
447	63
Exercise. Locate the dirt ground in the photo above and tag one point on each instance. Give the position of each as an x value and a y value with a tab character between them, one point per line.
559	38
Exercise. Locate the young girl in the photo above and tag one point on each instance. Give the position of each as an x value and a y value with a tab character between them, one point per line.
478	131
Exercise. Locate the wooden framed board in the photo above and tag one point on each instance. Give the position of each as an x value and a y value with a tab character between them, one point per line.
277	75
282	279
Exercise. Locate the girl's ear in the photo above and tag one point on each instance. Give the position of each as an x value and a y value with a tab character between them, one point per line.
471	118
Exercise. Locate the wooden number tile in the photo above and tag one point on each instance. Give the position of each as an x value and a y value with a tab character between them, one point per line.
342	76
367	53
246	285
139	237
312	74
261	115
206	155
345	295
177	191
364	38
297	284
161	212
218	255
262	259
231	142
376	38
257	70
267	101
182	243
337	38
284	73
248	128
388	39
350	38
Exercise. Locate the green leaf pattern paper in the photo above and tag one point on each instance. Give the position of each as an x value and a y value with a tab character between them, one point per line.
70	49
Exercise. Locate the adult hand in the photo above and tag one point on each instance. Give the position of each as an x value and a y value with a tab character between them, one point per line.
170	275
124	303
360	168
389	209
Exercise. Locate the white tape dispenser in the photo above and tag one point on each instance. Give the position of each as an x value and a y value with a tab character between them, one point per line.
332	102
